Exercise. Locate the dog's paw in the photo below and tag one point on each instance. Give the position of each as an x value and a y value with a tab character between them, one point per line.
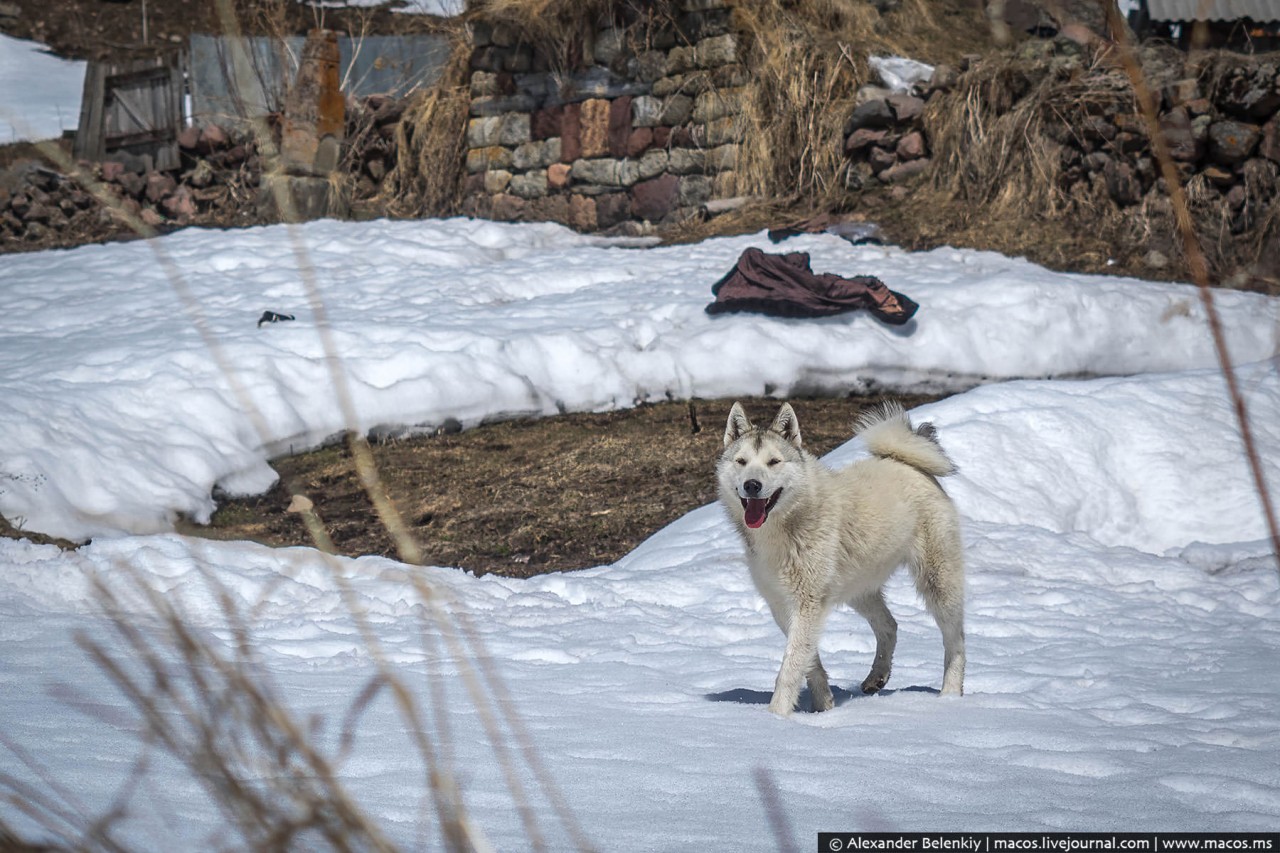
874	682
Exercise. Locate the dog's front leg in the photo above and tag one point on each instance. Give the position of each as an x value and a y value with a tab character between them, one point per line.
798	658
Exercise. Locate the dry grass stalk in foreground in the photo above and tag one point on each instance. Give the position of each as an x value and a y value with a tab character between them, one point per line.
491	703
212	706
1199	266
211	710
216	711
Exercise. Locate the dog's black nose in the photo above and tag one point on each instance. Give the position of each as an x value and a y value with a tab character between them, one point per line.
752	488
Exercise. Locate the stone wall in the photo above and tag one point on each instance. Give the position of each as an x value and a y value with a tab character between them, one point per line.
641	128
1220	115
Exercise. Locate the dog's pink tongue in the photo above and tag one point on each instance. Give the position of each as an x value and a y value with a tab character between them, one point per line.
756	509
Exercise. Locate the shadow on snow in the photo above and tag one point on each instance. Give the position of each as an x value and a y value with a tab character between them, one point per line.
746	696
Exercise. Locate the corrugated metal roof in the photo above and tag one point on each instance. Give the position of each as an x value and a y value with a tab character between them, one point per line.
1213	10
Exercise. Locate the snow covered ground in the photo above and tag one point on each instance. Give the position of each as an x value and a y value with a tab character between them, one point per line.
39	92
1123	614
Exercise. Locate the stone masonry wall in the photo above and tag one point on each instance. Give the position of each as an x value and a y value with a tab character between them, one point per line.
643	129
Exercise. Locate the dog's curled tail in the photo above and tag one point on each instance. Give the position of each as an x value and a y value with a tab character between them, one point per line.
888	433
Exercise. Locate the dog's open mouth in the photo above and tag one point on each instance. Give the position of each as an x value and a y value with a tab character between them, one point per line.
757	509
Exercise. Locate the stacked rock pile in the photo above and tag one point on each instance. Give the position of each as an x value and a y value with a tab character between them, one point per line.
217	184
1222	126
646	128
1221	121
38	202
884	138
39	206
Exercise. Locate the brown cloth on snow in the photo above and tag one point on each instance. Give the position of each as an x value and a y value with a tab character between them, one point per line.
786	286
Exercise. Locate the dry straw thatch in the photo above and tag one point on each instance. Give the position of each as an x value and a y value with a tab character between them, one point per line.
808	58
993	137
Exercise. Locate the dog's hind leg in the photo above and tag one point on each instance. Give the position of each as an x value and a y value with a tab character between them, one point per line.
952	652
950	619
800	659
941	584
876	612
819	687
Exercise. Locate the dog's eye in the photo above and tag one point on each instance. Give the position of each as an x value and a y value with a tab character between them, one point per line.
741	461
773	462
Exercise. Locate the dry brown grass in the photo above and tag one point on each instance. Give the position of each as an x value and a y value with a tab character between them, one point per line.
212	705
807	60
431	142
992	139
998	141
215	709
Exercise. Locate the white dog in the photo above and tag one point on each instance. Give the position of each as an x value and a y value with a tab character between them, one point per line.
817	538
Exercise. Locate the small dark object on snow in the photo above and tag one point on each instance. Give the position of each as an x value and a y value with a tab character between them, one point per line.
857	233
786	286
273	317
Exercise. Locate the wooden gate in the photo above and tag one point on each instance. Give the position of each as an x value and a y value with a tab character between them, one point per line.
133	109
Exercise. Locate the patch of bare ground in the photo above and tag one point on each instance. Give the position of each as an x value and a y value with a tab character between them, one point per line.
524	497
15	530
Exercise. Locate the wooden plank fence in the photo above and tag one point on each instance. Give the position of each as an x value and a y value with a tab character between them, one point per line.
133	109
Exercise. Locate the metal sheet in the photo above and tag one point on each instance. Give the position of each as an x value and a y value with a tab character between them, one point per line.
1213	10
242	78
392	65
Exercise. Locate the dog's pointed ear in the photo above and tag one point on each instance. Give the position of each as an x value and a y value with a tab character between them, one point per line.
787	424
737	425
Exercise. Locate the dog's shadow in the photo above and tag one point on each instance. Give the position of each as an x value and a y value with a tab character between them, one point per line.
746	696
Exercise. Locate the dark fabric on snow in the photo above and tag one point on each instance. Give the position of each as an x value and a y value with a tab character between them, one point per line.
857	233
786	286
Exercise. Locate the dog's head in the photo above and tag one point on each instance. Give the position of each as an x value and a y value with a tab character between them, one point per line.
758	465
